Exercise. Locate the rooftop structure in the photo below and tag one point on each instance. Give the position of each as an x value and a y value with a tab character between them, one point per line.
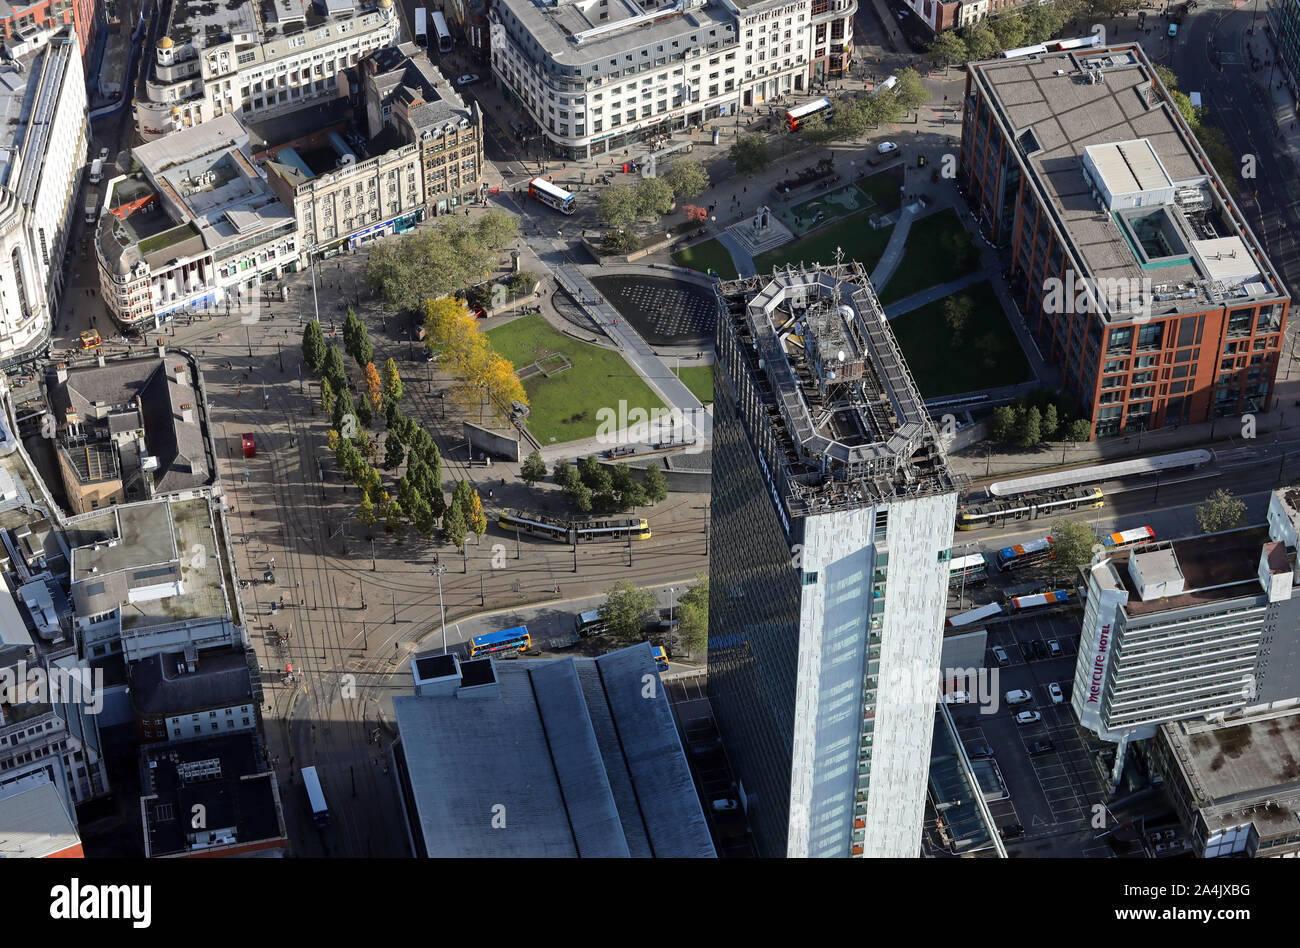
1236	785
582	761
849	427
177	683
224	775
37	822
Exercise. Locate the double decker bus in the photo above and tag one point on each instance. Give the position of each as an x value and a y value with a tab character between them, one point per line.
552	196
1027	507
967	569
498	643
566	531
1116	541
1025	554
797	116
440	28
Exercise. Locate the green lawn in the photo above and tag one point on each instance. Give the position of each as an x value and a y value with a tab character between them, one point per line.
987	355
938	250
565	407
704	255
852	234
883	187
699	379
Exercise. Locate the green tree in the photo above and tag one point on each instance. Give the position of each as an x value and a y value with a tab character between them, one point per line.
326	395
523	283
625	611
654	199
565	474
1002	426
355	338
1032	433
692	615
749	154
580	496
909	92
655	485
334	370
947	48
618	206
1221	511
348	459
394	387
1010	31
1051	422
1072	543
454	526
981	43
365	413
366	513
533	469
595	475
687	178
957	311
394	452
313	346
1080	430
345	414
422	518
396	518
620	240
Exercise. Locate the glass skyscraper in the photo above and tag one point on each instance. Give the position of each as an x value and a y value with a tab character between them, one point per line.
833	510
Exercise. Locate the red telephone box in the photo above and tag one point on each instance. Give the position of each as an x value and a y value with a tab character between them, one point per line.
250	449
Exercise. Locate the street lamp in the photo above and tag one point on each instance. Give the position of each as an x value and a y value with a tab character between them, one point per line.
442	616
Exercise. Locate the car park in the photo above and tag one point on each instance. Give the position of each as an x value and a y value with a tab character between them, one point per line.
1018	696
1040	747
885	148
1054	690
1028	717
1000	654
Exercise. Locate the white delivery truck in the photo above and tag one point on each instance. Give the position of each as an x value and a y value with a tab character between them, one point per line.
97	171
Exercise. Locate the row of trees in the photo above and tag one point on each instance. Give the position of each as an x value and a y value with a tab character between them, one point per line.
1210	136
651	198
628	613
1025	27
437	261
591	486
482	375
1038	416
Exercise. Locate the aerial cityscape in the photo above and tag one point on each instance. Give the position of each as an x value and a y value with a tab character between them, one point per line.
650	428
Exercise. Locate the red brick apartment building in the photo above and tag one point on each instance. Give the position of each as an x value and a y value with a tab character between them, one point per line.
18	20
1132	264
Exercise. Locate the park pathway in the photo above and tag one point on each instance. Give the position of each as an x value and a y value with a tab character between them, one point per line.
917	300
740	257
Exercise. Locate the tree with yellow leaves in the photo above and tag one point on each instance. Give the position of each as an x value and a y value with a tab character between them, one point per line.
475	518
375	385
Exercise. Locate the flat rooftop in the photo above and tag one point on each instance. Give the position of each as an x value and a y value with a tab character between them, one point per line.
35	820
840	397
582	763
1243	772
573	34
1229	561
1192	248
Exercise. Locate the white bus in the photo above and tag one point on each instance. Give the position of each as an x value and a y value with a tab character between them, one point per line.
315	796
444	34
421	29
552	196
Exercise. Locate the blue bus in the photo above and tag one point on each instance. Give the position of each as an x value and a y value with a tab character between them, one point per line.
661	657
496	643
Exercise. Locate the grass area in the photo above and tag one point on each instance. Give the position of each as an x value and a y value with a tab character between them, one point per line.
938	250
704	255
699	379
167	238
987	355
565	406
851	234
883	188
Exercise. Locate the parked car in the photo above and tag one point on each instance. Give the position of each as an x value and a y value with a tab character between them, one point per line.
1040	747
1054	689
1014	831
1054	648
957	697
885	148
1000	654
979	750
1018	696
1028	717
103	155
725	805
466	79
708	748
1040	650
